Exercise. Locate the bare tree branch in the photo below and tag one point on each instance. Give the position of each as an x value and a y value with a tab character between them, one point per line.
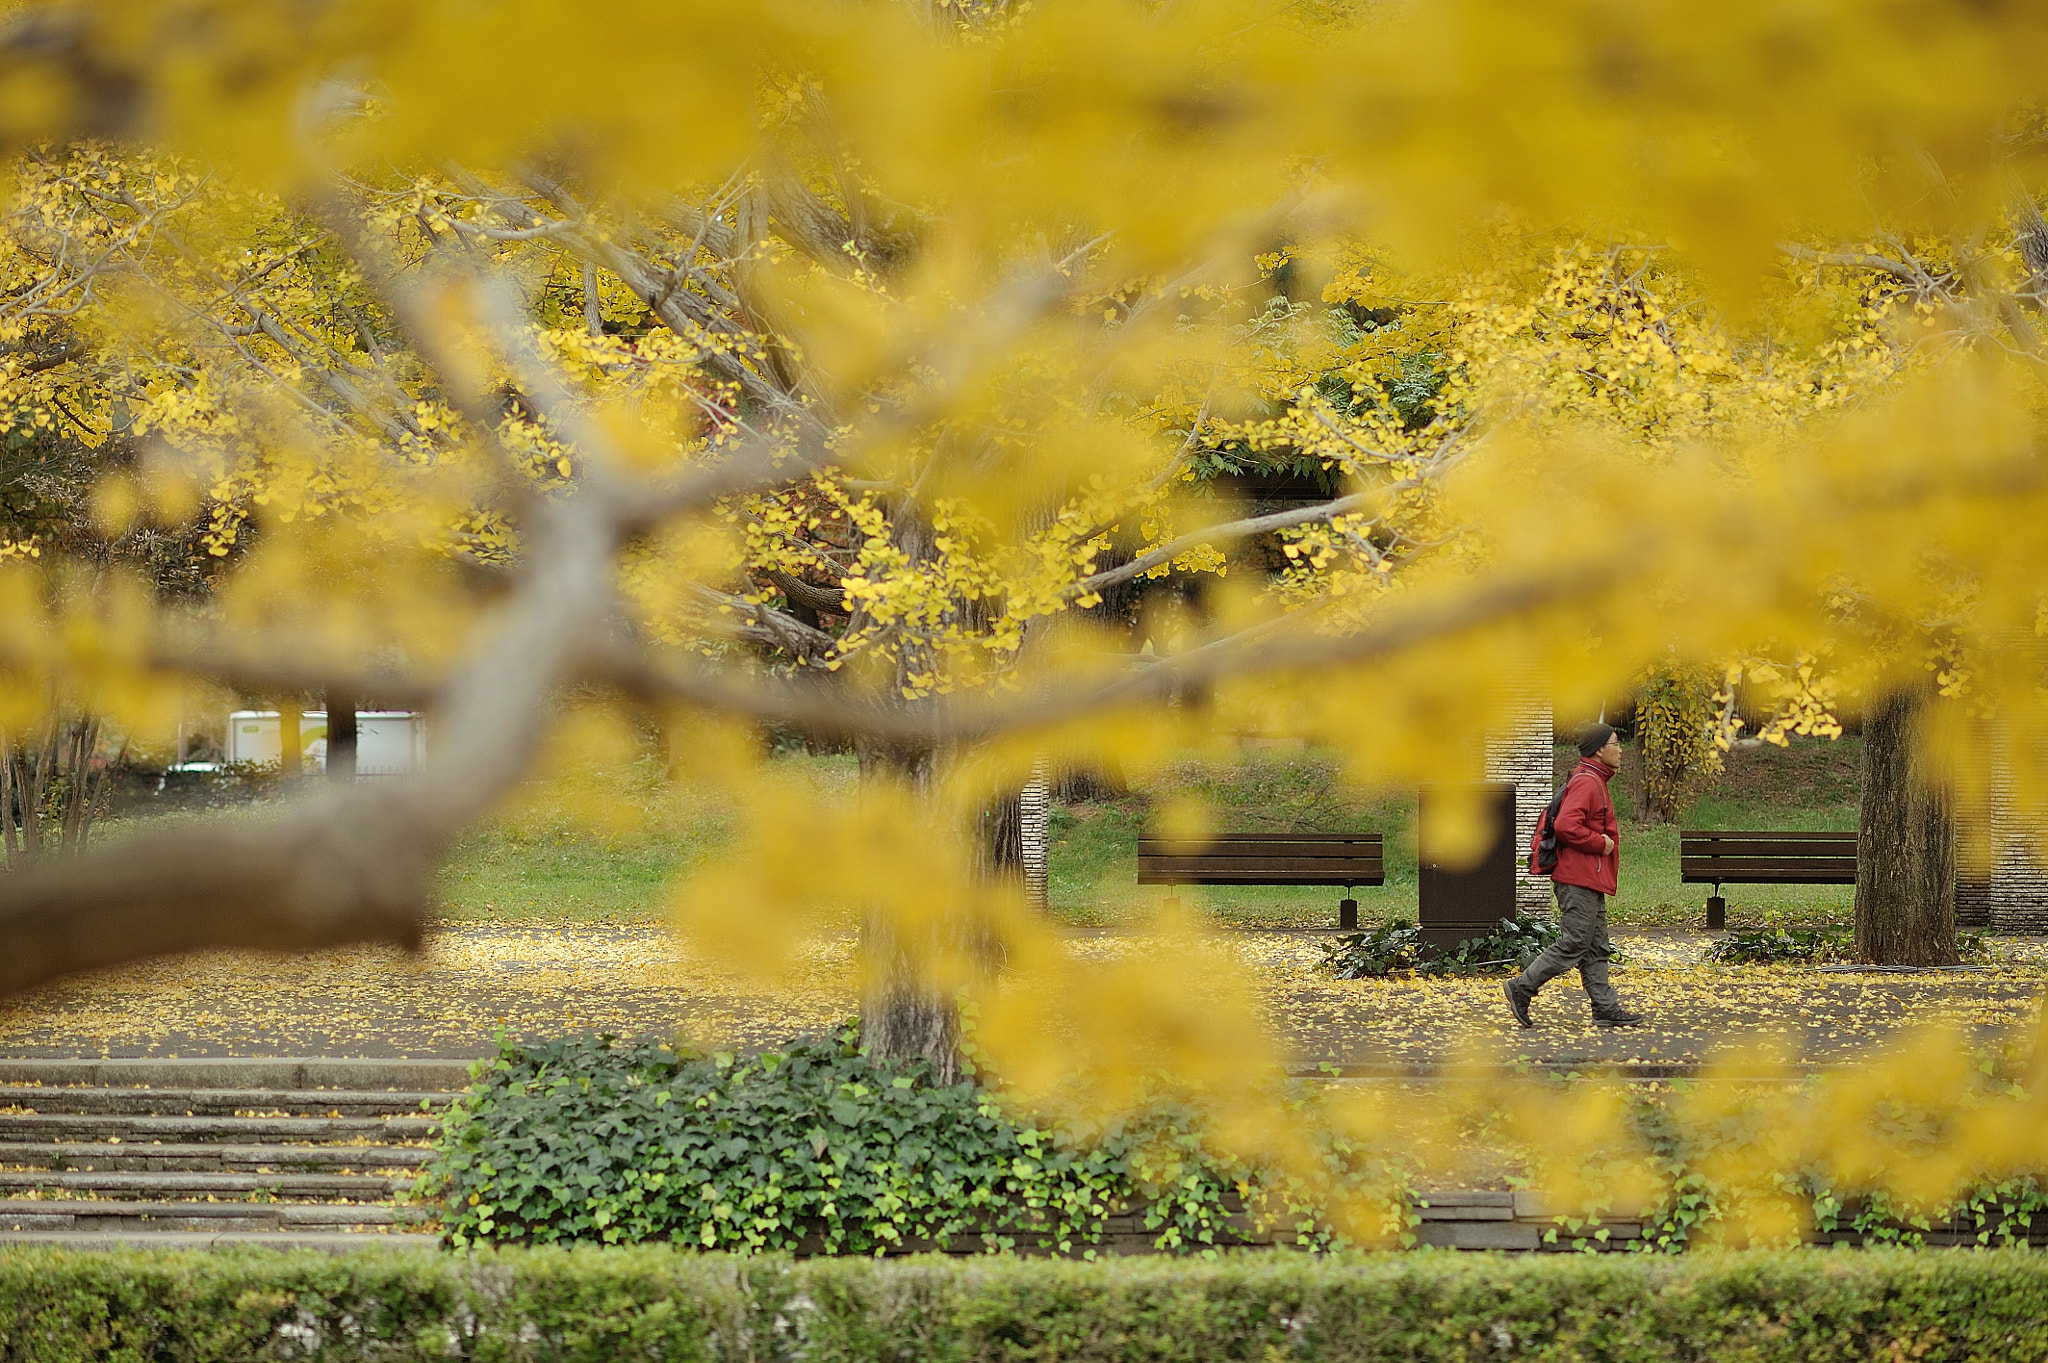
1900	270
1248	528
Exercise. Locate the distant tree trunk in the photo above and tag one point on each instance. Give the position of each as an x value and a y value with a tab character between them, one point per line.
291	750
51	790
341	738
1905	843
1076	783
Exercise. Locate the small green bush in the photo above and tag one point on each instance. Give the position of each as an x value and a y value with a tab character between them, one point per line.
598	1306
819	1149
1397	948
1780	946
1783	946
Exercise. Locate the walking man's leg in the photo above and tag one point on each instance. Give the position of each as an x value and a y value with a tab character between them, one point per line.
1593	968
1569	951
1608	1009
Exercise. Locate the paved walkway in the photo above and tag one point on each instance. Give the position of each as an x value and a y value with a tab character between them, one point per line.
638	979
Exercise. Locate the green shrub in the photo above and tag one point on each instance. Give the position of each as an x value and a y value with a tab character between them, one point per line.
1778	946
597	1306
817	1148
1397	948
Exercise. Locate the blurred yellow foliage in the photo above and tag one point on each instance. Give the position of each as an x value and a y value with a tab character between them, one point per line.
919	362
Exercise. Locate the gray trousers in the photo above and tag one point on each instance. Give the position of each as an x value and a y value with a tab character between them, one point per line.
1583	944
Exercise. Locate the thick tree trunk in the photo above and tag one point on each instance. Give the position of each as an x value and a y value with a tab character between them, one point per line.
341	738
1905	843
999	850
904	1013
291	749
911	972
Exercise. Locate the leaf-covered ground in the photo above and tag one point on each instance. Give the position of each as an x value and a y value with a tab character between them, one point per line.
538	981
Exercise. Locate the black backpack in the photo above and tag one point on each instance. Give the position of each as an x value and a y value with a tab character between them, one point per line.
1543	856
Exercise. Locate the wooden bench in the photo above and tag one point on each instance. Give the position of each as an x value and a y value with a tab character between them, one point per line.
1722	857
1346	859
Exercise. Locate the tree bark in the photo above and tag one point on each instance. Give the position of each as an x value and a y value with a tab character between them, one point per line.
341	738
999	846
291	759
904	1014
1905	843
1076	783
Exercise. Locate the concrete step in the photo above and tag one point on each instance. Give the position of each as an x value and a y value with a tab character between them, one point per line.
229	1130
330	1241
200	1156
194	1154
167	1185
423	1076
39	1214
225	1102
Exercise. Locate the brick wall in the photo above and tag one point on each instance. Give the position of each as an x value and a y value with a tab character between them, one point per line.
2016	898
1520	752
1035	834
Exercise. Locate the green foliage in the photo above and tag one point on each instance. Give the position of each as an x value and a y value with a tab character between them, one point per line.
1777	946
1781	946
526	1306
1693	1203
1397	948
818	1148
1999	1215
1390	947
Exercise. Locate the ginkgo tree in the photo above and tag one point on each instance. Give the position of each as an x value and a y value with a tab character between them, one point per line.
826	365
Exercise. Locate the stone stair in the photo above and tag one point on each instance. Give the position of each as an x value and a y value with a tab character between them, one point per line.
194	1153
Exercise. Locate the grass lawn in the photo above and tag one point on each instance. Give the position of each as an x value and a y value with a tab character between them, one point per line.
541	862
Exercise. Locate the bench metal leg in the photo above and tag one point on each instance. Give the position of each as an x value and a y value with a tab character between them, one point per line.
1347	913
1717	911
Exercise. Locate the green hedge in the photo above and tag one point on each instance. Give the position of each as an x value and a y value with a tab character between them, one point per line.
1809	1306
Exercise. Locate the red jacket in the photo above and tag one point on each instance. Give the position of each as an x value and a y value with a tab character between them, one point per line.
1586	813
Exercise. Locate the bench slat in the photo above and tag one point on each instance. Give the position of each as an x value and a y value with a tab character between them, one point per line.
1261	865
1764	846
1238	853
1261	878
1770	863
1778	876
1270	837
1281	848
1760	835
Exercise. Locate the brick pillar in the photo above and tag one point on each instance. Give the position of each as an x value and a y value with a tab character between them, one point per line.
1521	752
1034	835
2015	896
2015	899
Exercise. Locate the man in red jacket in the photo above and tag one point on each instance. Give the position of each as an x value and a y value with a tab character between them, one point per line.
1588	861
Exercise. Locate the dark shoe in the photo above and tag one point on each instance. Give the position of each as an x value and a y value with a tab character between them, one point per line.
1519	1002
1621	1019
